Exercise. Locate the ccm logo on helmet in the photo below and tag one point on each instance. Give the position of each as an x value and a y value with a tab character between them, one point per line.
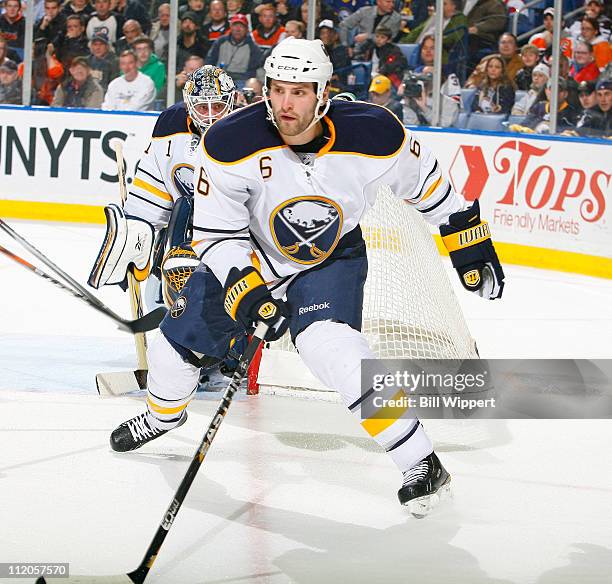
287	67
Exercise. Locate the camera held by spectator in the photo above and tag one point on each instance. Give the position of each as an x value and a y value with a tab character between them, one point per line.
417	93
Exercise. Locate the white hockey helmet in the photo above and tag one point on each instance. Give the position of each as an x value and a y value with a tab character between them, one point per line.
209	85
300	61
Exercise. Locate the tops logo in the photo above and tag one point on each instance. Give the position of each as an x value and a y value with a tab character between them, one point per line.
534	175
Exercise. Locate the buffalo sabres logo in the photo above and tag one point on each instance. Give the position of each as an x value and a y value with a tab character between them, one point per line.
182	177
306	229
178	307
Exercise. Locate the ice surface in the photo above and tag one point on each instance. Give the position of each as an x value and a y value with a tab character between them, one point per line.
292	490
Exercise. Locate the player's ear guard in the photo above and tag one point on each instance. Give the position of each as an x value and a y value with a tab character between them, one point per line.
468	241
127	246
247	300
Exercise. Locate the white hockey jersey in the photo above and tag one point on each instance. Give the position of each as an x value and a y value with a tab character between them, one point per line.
165	171
254	193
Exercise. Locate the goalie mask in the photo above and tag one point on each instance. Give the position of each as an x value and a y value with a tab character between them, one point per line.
209	95
300	61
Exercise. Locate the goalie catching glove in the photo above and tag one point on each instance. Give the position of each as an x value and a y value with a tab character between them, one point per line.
127	246
468	241
176	267
248	301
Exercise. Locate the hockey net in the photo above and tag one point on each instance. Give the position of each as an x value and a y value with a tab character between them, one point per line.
410	309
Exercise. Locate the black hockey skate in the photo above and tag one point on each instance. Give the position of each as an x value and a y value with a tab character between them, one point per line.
137	431
425	484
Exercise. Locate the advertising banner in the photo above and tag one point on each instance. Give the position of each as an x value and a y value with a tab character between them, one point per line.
547	200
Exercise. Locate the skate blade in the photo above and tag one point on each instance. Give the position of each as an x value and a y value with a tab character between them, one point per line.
423	506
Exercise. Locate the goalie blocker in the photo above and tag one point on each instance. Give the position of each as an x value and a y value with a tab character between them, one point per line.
468	241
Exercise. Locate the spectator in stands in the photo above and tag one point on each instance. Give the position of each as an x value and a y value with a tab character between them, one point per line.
160	31
417	99
197	9
251	92
190	42
131	31
584	67
538	120
80	7
104	20
496	90
342	9
322	12
134	10
237	51
597	121
543	40
191	64
530	56
296	29
587	95
10	84
486	20
47	72
149	63
80	89
590	33
508	51
6	52
387	58
426	55
103	62
235	7
74	42
218	25
593	9
283	11
269	32
539	77
338	53
366	20
380	94
12	24
52	25
131	91
455	28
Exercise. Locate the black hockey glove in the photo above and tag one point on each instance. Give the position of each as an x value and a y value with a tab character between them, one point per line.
468	241
248	300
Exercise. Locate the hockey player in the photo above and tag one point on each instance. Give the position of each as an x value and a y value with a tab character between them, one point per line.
164	182
280	187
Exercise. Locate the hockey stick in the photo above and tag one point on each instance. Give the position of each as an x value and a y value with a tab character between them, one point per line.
146	323
121	382
138	575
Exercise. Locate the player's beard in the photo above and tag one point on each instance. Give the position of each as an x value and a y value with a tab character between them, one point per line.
295	126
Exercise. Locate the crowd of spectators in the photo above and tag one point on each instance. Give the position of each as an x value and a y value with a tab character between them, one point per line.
113	54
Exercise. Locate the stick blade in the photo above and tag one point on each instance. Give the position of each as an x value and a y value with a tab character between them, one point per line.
118	579
148	322
117	383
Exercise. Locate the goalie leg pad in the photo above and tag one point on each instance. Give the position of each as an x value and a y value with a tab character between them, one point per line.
127	245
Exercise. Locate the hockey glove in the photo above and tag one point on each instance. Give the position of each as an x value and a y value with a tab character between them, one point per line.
468	241
248	300
127	246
